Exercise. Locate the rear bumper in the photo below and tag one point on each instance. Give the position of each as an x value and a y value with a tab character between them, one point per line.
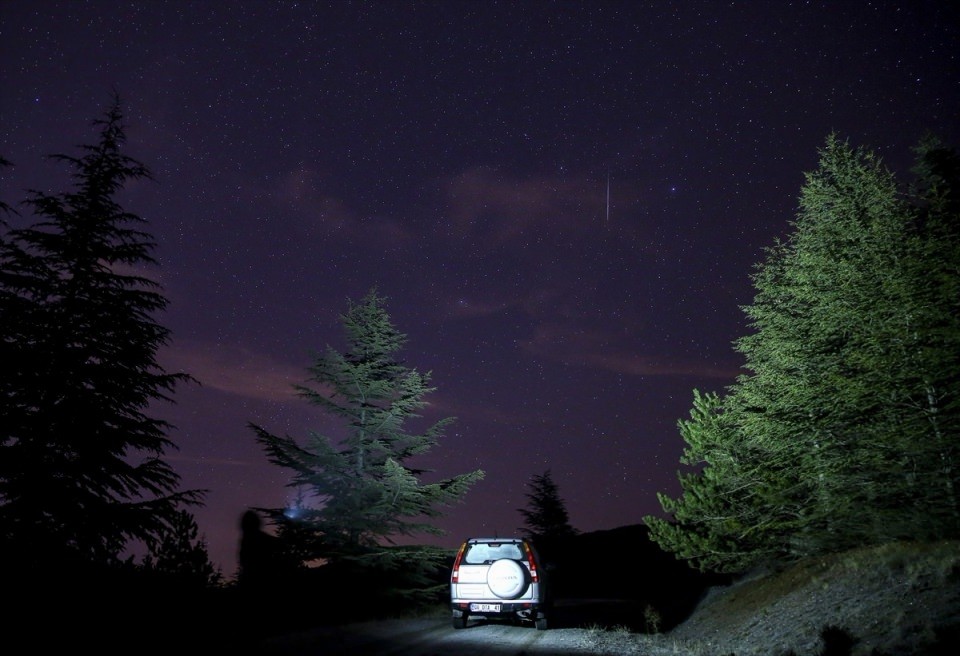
524	610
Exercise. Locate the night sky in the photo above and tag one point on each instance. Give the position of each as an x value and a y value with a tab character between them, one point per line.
457	156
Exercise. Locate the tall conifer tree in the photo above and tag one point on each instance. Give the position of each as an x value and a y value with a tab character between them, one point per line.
844	430
82	472
364	487
546	517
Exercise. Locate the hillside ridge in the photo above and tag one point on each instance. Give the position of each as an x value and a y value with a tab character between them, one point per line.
890	600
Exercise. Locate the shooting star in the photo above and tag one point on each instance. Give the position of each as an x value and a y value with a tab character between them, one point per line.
608	198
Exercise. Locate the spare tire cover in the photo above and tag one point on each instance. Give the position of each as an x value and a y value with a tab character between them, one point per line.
507	578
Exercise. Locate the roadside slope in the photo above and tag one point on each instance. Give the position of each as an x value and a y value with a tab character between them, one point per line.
895	599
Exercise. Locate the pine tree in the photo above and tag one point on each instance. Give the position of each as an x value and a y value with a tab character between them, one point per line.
181	557
4	207
546	519
825	406
82	473
726	519
844	431
366	491
922	332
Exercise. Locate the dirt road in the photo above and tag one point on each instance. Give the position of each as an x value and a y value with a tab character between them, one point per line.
432	637
435	636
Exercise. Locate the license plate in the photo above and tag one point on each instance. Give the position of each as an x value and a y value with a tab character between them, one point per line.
485	608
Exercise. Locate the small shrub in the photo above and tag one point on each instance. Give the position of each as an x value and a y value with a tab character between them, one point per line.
651	619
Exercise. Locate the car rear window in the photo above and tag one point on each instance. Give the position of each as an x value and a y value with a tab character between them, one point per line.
483	552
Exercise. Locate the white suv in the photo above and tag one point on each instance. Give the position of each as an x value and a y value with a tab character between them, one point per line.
498	578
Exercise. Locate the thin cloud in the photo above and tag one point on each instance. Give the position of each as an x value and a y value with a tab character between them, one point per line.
472	307
206	461
234	370
302	191
534	302
484	203
602	351
643	365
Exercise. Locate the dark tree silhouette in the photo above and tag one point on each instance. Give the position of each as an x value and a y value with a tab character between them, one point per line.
82	468
4	207
546	517
181	556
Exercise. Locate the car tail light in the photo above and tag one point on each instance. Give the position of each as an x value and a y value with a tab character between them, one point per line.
534	577
455	575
